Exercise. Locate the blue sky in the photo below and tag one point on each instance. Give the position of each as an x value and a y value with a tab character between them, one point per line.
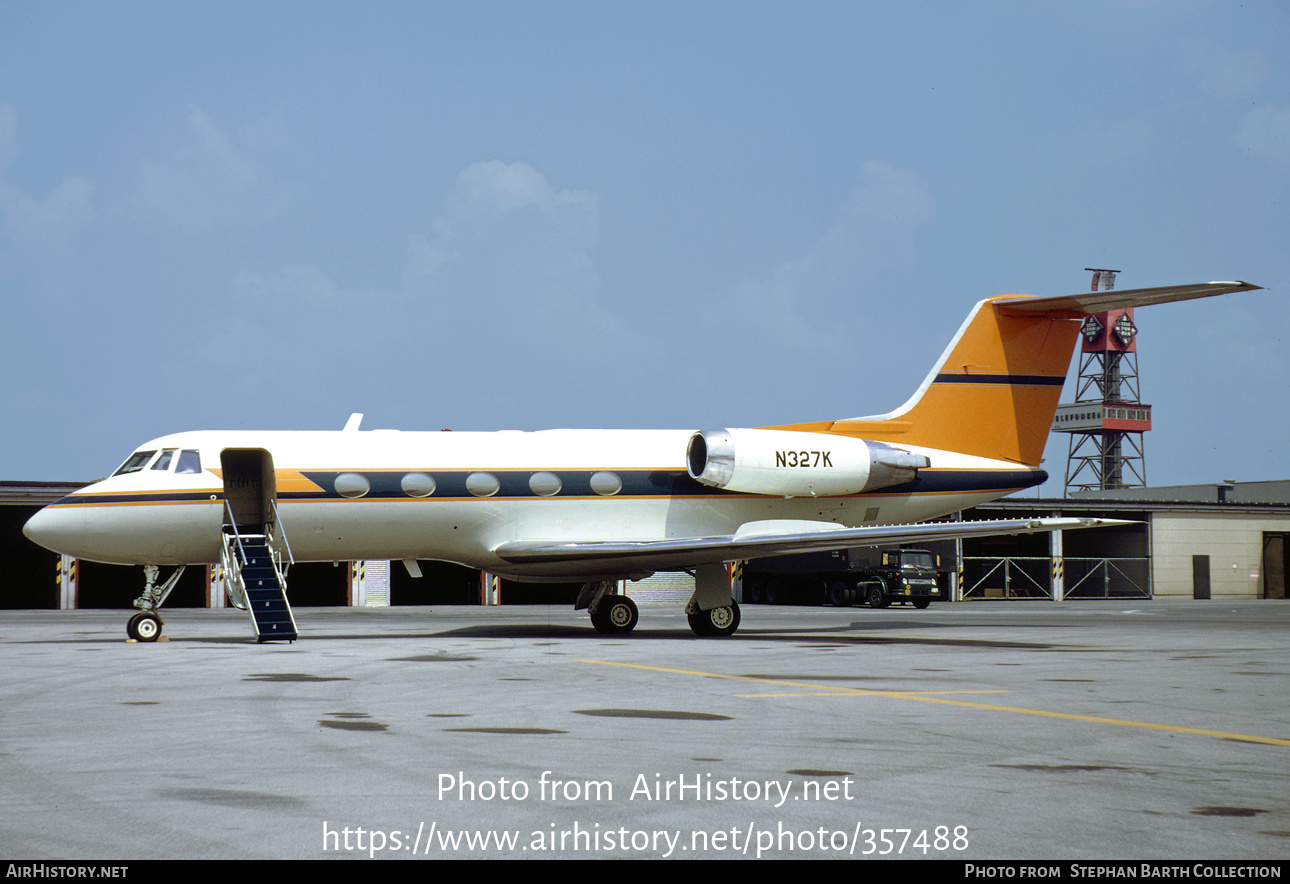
533	215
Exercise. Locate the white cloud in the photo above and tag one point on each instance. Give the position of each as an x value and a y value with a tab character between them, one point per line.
509	251
810	320
489	201
499	317
296	286
494	189
498	298
68	206
811	301
211	179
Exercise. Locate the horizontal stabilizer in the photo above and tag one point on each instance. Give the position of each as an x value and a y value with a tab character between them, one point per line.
625	556
1099	302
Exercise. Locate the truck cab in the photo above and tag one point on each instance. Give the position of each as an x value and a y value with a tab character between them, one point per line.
893	576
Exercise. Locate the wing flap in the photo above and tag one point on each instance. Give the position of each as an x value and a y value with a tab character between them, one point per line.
755	540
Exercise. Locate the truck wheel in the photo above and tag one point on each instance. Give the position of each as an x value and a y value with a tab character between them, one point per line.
877	598
839	594
921	603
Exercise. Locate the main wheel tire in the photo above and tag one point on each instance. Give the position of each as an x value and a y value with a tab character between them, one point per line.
616	615
715	622
876	596
757	592
144	627
698	623
621	614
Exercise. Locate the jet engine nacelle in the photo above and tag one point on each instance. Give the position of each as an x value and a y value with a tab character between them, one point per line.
793	464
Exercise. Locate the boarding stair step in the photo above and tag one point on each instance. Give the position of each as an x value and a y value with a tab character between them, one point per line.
266	594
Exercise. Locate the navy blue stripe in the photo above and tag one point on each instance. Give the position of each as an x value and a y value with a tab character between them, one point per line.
166	496
385	484
514	483
1019	380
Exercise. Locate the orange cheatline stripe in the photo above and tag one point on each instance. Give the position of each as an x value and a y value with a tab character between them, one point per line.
992	707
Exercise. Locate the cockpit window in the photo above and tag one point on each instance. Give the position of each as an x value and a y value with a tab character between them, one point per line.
163	462
135	462
189	462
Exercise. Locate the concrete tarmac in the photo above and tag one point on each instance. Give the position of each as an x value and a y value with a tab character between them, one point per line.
1103	730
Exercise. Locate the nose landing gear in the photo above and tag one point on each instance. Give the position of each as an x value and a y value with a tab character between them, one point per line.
146	625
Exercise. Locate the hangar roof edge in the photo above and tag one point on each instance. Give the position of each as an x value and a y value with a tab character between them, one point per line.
35	493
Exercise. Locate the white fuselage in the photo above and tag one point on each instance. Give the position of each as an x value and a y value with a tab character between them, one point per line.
348	495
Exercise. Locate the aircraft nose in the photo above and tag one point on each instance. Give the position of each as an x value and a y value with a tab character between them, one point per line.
51	528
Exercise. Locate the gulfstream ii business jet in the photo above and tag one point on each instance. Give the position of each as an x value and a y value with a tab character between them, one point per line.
598	506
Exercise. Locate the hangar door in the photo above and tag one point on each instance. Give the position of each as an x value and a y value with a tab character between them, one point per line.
1274	565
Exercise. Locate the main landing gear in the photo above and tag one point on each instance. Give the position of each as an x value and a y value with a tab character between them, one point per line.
711	611
146	625
715	621
610	613
617	614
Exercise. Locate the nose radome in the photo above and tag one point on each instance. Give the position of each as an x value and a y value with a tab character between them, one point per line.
51	528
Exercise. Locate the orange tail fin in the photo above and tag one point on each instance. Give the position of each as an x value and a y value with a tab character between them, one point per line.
995	390
993	393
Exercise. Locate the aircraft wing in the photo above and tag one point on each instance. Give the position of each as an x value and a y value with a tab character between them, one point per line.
754	540
1100	302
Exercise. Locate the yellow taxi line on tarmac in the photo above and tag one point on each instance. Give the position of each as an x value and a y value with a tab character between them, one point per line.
822	690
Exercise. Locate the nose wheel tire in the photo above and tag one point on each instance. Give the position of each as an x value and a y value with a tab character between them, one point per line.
144	627
715	622
616	615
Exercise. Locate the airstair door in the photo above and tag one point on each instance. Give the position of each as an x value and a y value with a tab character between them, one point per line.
250	488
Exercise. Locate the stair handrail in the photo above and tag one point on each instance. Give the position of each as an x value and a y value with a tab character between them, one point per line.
231	573
232	522
277	520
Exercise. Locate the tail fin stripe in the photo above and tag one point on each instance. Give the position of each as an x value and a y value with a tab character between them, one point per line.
1020	380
